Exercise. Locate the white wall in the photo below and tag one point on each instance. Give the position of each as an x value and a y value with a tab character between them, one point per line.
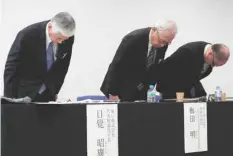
102	24
1	11
1	59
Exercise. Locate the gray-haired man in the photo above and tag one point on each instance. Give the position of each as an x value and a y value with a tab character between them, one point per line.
128	75
39	58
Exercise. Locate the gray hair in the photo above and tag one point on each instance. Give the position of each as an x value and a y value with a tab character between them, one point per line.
64	24
166	25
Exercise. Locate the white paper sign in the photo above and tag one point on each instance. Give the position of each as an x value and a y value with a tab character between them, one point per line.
102	130
195	127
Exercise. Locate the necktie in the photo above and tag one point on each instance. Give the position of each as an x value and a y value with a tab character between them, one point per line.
151	57
50	55
150	61
50	60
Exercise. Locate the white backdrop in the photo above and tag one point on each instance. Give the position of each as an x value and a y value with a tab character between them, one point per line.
102	24
1	59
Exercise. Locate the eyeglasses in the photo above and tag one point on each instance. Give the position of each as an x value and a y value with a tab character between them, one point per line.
161	40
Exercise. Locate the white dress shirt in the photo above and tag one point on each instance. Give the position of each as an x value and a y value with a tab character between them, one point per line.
48	40
149	44
206	65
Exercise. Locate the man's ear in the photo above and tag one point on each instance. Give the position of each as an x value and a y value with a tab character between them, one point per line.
50	27
210	53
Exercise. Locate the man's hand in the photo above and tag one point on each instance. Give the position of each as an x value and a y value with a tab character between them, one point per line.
114	97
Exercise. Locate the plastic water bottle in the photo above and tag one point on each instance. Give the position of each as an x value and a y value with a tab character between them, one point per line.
158	96
151	94
218	93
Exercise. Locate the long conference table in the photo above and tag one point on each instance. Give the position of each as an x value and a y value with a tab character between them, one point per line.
144	129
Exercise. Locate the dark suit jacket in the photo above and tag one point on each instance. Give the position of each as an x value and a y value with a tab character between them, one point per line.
25	69
182	71
128	68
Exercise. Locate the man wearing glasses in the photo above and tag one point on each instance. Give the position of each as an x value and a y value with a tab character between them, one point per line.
39	59
183	70
128	74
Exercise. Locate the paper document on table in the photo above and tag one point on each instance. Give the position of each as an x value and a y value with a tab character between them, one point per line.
189	99
96	101
102	130
195	127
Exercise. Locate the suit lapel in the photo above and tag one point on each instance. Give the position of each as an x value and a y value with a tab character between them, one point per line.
160	54
59	53
145	43
62	50
42	47
209	70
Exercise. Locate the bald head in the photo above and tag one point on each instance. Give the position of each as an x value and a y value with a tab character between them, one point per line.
217	55
221	51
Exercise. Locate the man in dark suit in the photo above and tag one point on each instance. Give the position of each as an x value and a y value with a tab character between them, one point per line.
39	59
183	70
128	75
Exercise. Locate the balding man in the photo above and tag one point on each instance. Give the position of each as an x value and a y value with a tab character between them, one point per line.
128	74
183	70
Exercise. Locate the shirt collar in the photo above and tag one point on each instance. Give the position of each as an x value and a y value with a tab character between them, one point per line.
150	44
206	47
48	40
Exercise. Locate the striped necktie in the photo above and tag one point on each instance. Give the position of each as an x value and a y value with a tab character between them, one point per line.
151	57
